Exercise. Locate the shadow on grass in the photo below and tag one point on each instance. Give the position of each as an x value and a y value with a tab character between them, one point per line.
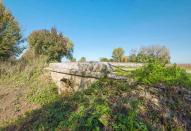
100	107
66	113
47	117
78	111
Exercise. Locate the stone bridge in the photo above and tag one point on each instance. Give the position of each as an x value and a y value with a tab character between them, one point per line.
74	76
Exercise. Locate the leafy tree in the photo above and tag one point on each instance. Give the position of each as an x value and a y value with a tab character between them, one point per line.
118	54
155	51
82	59
10	35
51	44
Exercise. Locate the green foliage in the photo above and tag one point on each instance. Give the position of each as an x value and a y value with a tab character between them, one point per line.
44	95
82	59
10	35
145	54
156	72
127	121
100	107
51	44
103	59
118	54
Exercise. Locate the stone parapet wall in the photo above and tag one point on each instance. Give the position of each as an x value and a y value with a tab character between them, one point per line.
74	76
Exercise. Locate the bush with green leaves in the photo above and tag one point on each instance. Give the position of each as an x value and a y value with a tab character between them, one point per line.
51	44
156	72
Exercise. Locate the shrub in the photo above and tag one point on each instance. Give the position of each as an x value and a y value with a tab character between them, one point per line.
156	72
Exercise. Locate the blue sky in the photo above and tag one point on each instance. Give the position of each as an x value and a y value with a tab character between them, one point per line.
98	26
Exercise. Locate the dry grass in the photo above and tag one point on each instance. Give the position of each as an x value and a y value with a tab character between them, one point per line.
185	66
22	88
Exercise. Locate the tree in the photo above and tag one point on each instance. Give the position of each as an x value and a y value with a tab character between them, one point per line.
82	59
103	59
118	54
133	56
10	35
145	54
125	59
154	51
51	44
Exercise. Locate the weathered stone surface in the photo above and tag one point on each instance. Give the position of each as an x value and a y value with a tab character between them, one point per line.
73	76
70	83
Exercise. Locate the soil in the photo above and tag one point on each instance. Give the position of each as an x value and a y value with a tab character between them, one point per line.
13	102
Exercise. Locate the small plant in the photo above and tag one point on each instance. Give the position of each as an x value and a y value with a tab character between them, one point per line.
45	94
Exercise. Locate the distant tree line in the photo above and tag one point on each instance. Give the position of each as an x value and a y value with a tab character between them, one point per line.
143	55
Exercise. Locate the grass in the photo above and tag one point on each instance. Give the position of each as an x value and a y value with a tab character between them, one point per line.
32	76
97	108
37	89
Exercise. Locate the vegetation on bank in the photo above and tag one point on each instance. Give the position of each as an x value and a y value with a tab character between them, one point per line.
92	109
30	75
156	73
